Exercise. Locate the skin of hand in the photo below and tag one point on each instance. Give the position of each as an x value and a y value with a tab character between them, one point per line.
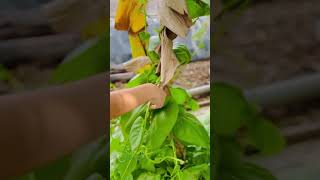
123	101
41	126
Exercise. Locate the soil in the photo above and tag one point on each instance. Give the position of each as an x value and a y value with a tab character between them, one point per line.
269	42
272	41
194	75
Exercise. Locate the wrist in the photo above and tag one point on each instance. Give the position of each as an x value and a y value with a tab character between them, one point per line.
148	91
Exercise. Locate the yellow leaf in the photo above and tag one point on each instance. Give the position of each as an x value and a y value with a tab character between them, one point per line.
137	19
130	16
142	69
137	48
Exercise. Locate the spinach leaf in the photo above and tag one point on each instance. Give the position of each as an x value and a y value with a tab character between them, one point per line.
197	8
190	131
266	136
136	133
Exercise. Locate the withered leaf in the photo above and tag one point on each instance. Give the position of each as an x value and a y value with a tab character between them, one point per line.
168	60
172	19
136	64
179	6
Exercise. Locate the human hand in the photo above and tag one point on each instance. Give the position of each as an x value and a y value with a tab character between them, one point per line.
157	96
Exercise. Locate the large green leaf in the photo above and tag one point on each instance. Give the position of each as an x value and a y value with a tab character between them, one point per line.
215	156
247	171
138	80
266	136
190	131
179	95
197	8
88	160
230	109
89	59
230	154
182	53
196	172
53	171
126	165
136	133
149	176
127	120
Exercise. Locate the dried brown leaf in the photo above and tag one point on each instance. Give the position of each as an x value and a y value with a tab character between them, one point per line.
172	19
179	6
168	60
136	64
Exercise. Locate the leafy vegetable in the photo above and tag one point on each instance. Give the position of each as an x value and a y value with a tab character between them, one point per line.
266	137
182	53
197	8
230	109
88	60
179	95
136	133
190	131
162	124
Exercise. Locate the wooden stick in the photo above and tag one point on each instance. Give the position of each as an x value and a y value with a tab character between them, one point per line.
121	76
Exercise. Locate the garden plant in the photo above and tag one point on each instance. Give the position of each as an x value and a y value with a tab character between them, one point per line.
171	142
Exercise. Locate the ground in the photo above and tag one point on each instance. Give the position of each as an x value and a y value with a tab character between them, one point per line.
269	42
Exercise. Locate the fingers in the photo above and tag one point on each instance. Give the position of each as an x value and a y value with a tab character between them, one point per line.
158	101
154	106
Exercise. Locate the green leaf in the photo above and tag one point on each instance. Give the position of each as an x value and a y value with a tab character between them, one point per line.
162	124
247	171
230	154
136	133
115	145
197	8
266	136
195	172
128	119
179	95
53	171
5	74
137	80
165	151
87	160
147	164
149	176
215	154
89	59
144	36
230	109
190	131
182	53
154	57
126	165
193	104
